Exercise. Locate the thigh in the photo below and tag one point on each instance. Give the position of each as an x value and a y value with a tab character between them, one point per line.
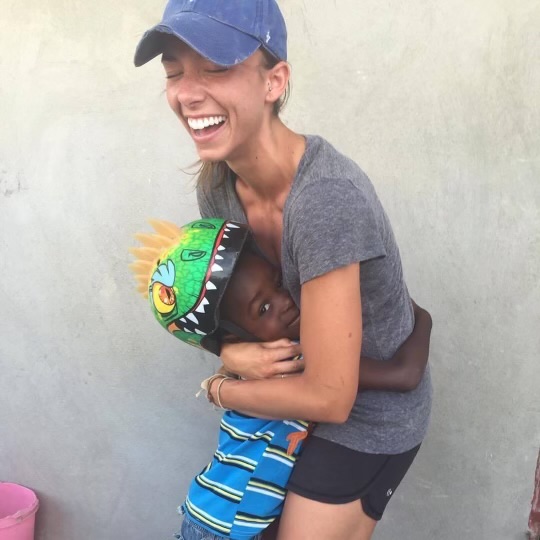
306	519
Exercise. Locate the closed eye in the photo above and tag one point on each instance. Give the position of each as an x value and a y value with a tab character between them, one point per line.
174	75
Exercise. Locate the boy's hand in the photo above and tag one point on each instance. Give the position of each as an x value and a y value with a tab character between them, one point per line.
262	360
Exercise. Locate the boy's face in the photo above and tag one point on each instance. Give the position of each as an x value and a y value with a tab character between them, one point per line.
256	301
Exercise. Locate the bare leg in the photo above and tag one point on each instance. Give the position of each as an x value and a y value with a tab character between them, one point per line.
304	519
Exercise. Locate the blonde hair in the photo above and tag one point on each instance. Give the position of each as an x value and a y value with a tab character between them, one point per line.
213	174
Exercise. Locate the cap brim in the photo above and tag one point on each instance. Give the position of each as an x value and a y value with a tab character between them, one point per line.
216	41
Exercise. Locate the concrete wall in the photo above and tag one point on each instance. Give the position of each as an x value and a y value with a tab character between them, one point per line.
437	100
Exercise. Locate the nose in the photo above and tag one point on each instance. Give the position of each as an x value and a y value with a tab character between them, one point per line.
189	90
283	301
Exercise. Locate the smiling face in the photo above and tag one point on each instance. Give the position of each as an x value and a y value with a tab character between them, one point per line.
256	301
222	109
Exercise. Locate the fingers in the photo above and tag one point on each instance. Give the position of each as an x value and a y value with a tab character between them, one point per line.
278	344
262	360
288	367
286	351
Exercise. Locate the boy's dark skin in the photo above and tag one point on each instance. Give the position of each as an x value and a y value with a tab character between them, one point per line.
256	301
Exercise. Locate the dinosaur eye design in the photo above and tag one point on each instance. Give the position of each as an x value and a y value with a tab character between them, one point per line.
192	254
203	225
163	297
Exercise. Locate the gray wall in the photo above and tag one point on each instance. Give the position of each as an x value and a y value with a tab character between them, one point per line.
437	100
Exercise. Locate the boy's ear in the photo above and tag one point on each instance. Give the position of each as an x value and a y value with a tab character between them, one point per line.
229	338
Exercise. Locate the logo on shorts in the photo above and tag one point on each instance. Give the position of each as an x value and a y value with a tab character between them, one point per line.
389	492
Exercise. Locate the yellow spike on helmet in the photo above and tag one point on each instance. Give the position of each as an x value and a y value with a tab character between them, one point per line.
153	245
141	266
165	228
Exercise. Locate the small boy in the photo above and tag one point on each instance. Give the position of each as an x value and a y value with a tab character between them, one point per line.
208	283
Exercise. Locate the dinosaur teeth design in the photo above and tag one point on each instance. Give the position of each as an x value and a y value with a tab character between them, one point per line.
219	257
200	308
210	286
216	268
197	331
187	331
192	318
227	230
183	320
232	226
220	248
225	236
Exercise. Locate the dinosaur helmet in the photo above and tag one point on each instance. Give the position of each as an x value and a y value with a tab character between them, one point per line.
184	272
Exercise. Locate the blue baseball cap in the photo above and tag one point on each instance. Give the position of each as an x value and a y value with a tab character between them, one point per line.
224	31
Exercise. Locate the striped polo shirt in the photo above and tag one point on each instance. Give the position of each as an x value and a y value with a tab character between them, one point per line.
241	491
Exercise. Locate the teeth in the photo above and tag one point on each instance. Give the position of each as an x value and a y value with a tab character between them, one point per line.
219	257
220	248
201	123
216	268
232	226
201	306
210	286
199	332
192	318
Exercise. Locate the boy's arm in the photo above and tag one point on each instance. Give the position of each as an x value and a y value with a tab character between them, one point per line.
404	371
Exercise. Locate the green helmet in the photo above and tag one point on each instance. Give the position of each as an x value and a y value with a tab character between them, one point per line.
185	271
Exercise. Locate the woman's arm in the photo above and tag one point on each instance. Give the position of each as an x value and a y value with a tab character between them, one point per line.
404	371
331	336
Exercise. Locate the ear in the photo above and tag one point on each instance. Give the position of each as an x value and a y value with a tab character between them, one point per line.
230	338
277	80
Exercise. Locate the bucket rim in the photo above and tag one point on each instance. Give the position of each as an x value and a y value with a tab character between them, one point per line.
21	515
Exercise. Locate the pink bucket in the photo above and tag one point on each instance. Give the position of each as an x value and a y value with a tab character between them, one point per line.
18	507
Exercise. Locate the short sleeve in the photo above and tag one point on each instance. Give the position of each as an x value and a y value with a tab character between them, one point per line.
332	225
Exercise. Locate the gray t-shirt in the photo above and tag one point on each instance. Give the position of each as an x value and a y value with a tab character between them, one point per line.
333	218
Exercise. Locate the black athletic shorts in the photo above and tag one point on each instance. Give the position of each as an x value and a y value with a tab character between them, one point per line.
331	473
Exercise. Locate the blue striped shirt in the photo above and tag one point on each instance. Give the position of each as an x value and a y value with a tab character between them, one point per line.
241	491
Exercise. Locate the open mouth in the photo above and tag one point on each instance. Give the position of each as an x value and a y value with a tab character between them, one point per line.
203	127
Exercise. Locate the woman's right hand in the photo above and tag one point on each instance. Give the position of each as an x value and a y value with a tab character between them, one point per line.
262	360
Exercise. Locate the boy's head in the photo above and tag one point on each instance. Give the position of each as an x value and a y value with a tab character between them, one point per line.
190	276
256	302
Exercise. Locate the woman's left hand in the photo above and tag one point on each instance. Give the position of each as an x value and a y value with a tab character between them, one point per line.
262	360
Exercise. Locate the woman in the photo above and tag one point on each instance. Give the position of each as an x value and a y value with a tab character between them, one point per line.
314	213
